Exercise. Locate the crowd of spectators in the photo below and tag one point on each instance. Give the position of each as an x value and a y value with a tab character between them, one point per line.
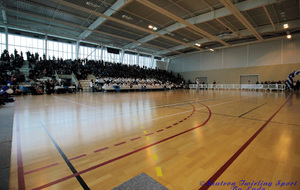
109	74
9	68
81	68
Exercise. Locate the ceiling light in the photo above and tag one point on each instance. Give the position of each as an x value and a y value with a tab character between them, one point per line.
285	26
288	36
92	4
211	49
150	26
126	17
154	28
197	44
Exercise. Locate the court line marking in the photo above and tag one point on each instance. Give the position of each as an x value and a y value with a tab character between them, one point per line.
102	149
252	110
80	156
120	143
38	169
159	172
151	107
21	179
71	167
166	105
147	134
125	155
213	178
175	123
196	109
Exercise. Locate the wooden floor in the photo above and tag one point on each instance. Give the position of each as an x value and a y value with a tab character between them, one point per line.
180	138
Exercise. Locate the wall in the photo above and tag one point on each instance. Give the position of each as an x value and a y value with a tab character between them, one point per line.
272	60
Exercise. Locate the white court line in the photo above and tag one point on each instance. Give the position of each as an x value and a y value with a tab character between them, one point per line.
58	121
101	110
192	110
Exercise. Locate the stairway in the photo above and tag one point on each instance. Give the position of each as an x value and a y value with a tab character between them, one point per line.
86	83
25	69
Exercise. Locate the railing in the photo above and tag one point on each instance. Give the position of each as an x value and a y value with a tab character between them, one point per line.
74	79
240	86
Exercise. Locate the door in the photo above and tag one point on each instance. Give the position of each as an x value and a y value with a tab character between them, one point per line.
249	79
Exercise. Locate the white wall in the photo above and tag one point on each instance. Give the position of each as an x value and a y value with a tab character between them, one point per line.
261	54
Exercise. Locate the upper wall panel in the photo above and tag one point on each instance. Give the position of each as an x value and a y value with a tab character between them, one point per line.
260	54
235	57
291	51
268	53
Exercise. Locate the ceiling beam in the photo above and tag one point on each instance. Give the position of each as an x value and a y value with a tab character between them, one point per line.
4	16
115	7
270	19
242	33
275	14
58	10
178	19
227	26
61	2
190	13
34	17
222	12
230	6
207	4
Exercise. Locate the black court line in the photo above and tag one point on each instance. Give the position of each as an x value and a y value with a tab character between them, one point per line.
74	171
251	110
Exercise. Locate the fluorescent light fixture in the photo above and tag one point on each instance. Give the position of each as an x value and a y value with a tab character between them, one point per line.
150	26
289	36
211	49
154	28
197	44
126	17
285	26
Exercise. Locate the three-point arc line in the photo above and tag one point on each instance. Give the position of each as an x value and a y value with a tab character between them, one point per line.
124	155
99	150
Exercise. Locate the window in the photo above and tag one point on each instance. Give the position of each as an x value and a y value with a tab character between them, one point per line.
68	51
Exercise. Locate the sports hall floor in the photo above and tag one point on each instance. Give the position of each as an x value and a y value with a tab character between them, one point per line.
180	138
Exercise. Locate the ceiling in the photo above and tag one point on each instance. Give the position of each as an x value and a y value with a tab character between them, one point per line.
180	23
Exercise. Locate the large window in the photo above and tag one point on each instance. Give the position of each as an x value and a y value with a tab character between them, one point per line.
68	51
145	61
2	42
60	50
25	44
110	57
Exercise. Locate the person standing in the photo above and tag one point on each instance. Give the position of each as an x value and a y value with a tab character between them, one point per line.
197	84
92	85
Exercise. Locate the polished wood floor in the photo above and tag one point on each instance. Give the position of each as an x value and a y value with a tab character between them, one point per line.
180	138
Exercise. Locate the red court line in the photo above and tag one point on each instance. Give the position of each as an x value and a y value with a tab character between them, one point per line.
168	127
149	134
21	180
159	130
77	157
120	143
38	169
100	149
125	155
234	157
135	138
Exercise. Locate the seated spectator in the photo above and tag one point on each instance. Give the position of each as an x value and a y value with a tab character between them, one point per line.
79	88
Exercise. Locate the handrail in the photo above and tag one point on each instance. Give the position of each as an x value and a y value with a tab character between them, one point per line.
240	86
74	78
